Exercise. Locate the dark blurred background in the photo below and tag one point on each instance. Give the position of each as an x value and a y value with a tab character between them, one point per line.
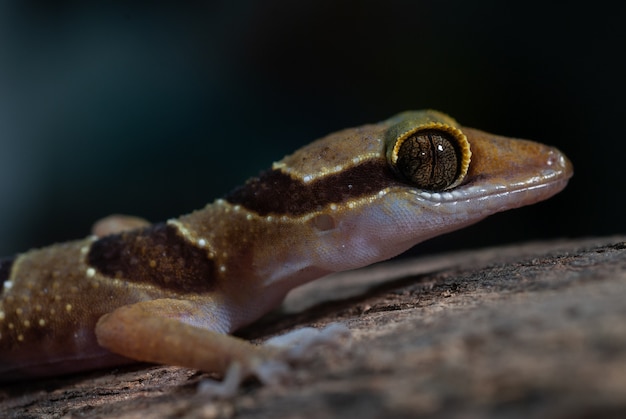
155	110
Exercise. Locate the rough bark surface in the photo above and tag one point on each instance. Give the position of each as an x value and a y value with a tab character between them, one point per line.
535	330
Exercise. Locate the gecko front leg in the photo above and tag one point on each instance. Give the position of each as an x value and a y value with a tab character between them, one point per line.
158	331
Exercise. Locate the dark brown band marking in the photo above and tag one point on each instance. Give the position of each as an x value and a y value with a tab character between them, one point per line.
5	269
155	255
275	192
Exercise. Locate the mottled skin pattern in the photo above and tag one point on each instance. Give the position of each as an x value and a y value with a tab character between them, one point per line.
170	292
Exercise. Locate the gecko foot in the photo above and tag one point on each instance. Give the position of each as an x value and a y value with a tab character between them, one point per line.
300	344
228	387
290	348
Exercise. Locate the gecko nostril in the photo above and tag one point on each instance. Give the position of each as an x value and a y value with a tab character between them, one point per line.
555	159
323	222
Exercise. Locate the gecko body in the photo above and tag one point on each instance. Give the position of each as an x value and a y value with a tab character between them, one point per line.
171	292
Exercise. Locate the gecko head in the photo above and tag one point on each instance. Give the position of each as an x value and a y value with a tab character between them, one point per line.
501	174
371	192
447	177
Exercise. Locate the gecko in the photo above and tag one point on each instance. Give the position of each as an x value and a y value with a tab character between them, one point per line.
173	292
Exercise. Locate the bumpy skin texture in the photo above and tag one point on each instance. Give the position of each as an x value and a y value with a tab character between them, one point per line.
170	291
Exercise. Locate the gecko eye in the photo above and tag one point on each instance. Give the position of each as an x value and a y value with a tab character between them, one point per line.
432	155
430	160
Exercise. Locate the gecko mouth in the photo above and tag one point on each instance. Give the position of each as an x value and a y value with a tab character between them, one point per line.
475	192
488	196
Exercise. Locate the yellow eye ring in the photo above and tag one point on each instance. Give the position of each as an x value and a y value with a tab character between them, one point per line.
426	152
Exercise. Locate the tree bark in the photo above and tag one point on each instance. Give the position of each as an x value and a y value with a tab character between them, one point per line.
534	330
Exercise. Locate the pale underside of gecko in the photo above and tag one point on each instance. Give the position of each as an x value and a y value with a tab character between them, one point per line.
171	292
